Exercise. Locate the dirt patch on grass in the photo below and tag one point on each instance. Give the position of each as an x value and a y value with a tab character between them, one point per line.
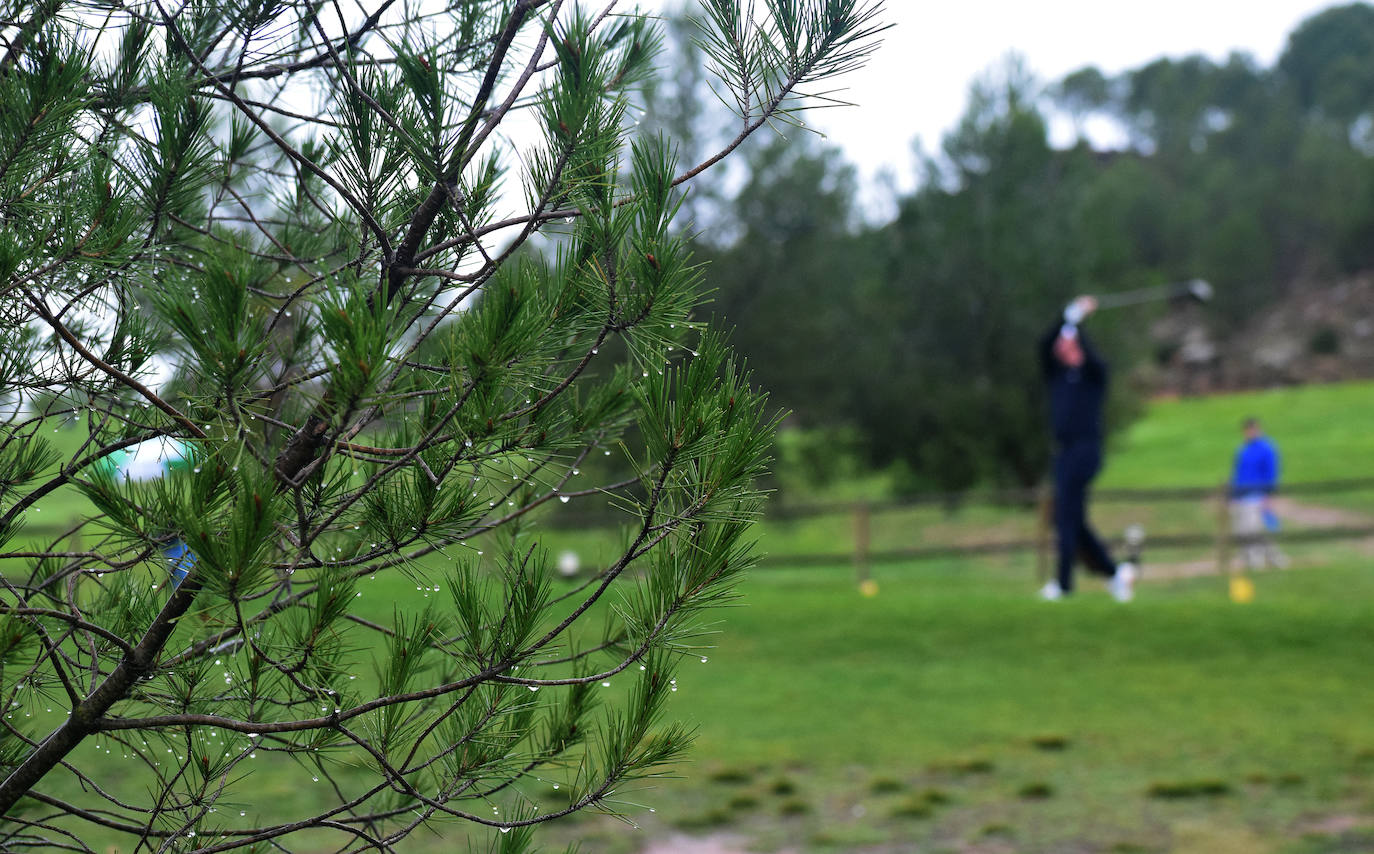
1318	515
1297	513
1334	825
721	843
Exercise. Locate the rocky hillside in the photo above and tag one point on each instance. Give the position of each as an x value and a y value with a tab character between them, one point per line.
1317	334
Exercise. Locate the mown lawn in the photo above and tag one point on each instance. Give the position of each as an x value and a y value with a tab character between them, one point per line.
1322	433
953	710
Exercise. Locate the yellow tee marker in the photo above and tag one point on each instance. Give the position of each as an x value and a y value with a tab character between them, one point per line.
1242	589
868	587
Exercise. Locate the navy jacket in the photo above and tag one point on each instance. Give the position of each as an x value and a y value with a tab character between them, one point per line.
1076	394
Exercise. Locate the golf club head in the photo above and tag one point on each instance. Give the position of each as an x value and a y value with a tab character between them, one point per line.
1199	289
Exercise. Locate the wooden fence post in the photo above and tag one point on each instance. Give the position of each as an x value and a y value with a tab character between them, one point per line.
861	542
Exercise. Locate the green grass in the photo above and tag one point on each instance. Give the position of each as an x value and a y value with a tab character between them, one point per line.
1322	432
1181	723
1181	717
893	672
1178	709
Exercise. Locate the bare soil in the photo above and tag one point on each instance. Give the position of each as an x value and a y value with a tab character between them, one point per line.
720	843
1313	515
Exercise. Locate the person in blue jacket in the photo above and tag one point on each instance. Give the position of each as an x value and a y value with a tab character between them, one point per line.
1076	380
1254	478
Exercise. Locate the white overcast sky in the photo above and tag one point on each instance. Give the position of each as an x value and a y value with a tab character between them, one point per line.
917	82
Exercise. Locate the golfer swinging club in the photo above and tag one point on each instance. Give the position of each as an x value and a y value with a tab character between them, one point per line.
1076	378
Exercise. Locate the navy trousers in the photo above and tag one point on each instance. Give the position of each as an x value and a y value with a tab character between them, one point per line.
1075	466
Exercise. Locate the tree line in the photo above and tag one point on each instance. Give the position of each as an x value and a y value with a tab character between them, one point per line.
909	341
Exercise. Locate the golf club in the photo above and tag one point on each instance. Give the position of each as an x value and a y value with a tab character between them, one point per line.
1194	289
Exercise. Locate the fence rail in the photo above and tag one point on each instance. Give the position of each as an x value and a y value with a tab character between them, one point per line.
1033	495
1218	539
1212	532
946	552
1216	536
1025	497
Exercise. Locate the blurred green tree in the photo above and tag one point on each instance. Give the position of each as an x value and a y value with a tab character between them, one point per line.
685	107
978	262
789	281
1082	94
1229	178
1327	62
913	331
306	211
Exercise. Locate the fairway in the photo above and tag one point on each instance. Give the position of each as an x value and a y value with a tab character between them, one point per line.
954	712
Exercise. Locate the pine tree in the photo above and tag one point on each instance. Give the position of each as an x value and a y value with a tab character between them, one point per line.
390	277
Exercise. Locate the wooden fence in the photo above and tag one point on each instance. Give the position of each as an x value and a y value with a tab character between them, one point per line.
1218	540
1212	535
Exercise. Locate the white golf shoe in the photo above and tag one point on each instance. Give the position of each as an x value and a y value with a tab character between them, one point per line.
1051	592
1122	583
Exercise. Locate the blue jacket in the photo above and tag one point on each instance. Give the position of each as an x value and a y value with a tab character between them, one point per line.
1257	467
